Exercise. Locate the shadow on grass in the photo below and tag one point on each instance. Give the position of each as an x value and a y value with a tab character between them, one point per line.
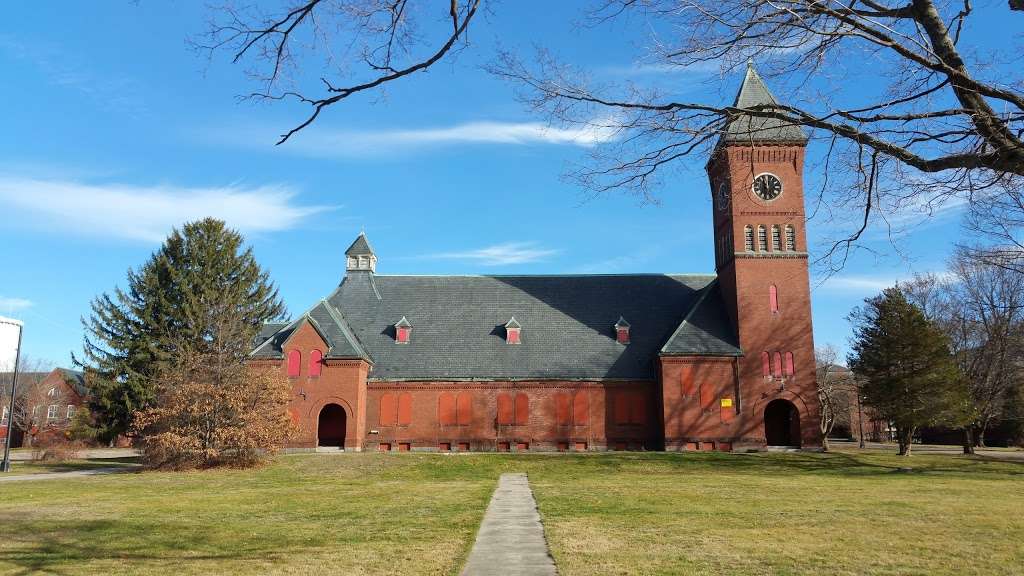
38	466
65	548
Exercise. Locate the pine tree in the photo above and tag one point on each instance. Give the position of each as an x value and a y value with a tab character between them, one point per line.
177	304
908	373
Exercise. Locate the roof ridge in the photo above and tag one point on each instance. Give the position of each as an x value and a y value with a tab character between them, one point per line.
704	294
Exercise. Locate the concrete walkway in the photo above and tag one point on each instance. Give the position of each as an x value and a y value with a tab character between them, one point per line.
58	475
511	538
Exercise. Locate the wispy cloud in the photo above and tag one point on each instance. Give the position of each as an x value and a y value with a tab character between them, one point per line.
658	68
326	143
11	305
66	70
147	213
499	254
859	284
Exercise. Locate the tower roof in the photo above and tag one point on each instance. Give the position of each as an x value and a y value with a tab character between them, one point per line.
753	92
360	246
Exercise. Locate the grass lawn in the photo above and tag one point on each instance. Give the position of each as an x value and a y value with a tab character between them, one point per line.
621	513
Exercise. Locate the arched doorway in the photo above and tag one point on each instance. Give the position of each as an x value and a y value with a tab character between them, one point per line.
330	428
781	423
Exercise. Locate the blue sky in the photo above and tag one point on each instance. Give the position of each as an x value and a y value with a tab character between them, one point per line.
116	131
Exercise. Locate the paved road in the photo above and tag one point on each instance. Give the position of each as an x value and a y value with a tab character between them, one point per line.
62	475
511	537
87	454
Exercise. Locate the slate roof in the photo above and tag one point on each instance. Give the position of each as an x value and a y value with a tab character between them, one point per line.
360	246
754	92
567	325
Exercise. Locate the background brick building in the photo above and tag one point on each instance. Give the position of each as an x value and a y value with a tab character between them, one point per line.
579	362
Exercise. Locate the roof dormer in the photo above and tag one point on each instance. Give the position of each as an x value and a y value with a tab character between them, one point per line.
622	331
512	329
403	330
360	256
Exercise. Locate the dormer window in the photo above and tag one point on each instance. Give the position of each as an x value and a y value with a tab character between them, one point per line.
403	329
622	331
512	329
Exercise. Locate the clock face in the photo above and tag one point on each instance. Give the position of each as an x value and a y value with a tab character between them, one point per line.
722	198
767	187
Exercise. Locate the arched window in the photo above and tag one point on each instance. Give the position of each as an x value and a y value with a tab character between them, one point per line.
464	408
773	299
776	238
790	238
522	409
762	238
766	364
777	365
506	411
790	368
446	413
316	359
388	409
294	363
748	238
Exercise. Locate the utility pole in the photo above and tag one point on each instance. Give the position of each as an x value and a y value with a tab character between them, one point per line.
860	417
5	465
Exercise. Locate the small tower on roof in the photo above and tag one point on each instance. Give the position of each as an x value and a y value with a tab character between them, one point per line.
360	256
750	129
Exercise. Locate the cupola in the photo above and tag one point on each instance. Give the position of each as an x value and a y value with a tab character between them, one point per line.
403	329
512	329
360	256
622	331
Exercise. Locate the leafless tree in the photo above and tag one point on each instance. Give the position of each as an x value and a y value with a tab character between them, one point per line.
836	390
32	399
981	307
944	128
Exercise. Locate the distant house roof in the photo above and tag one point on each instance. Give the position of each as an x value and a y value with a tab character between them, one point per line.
753	92
73	377
569	325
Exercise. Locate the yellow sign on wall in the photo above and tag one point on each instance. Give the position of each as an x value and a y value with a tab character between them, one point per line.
726	402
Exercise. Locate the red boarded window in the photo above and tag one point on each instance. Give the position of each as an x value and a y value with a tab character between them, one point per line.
622	335
402	335
294	363
446	414
707	396
513	335
563	409
316	359
404	409
522	409
728	408
506	412
620	403
777	364
686	374
766	364
790	368
388	409
464	409
638	408
581	409
773	298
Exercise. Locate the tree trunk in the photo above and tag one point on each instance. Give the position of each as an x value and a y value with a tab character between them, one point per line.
968	440
824	443
904	436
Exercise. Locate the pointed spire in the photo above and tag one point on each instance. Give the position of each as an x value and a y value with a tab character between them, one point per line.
754	92
360	255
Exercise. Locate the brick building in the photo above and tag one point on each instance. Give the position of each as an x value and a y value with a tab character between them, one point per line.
49	401
719	361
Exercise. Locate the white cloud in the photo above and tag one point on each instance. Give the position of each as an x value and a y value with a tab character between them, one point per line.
499	254
865	284
147	213
11	305
322	142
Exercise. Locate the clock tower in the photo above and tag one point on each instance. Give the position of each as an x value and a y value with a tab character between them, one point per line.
756	177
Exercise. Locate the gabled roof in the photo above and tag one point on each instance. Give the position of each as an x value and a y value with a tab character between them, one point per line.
77	379
460	321
329	324
706	330
513	323
360	246
753	92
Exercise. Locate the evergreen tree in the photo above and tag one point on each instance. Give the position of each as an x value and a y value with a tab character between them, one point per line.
904	360
201	292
